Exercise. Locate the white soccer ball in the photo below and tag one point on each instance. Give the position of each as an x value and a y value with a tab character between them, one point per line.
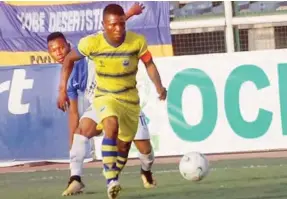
194	166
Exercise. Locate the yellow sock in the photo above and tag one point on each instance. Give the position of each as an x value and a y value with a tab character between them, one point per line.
121	161
109	159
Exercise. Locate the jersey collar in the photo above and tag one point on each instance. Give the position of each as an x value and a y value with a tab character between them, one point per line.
113	45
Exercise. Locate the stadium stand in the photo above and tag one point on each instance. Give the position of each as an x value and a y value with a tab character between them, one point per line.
196	39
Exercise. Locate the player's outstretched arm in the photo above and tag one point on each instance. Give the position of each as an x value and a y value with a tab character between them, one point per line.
154	74
67	68
136	9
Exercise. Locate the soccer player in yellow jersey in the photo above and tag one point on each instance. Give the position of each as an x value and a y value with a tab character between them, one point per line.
116	54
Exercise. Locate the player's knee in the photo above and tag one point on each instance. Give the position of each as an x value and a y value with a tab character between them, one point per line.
86	132
124	147
83	132
144	146
88	128
111	127
145	151
78	131
89	132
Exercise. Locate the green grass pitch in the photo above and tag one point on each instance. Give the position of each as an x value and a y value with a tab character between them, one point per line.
232	179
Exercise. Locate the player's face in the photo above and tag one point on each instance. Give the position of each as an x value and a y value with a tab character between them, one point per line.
115	27
58	49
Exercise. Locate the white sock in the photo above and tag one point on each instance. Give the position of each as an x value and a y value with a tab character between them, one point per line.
78	152
146	160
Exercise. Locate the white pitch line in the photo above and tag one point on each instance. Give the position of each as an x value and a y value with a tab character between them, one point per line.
57	177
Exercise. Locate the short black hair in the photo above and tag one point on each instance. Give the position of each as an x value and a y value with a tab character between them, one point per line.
114	9
55	35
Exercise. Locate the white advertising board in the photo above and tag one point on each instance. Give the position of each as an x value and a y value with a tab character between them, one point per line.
218	103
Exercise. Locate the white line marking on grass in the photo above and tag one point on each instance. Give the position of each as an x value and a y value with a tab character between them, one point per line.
58	177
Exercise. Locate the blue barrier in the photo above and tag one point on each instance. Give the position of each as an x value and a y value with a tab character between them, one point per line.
32	128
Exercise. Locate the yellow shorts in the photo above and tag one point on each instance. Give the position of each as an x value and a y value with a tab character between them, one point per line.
127	114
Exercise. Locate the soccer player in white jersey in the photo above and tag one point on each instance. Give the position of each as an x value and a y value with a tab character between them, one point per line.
84	128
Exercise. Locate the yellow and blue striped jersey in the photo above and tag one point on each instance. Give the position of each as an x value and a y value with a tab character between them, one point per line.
115	67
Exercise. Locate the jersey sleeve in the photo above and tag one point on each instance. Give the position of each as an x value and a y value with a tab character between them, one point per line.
85	46
143	46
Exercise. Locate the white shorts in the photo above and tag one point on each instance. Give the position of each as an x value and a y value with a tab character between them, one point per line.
142	132
91	114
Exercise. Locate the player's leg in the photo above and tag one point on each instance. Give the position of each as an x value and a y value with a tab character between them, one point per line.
80	147
123	153
86	130
119	133
92	149
146	156
109	109
146	153
127	130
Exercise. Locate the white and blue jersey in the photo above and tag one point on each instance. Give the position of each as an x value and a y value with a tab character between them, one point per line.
82	80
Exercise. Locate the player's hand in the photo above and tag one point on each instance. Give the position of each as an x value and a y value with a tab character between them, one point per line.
162	93
63	101
137	8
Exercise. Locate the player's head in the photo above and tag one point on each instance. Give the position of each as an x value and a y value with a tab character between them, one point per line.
58	47
114	22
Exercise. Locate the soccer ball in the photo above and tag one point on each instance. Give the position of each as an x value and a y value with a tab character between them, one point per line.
194	166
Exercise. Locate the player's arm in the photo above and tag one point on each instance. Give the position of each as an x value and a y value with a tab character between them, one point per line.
152	71
154	74
63	101
80	52
67	68
136	9
83	50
